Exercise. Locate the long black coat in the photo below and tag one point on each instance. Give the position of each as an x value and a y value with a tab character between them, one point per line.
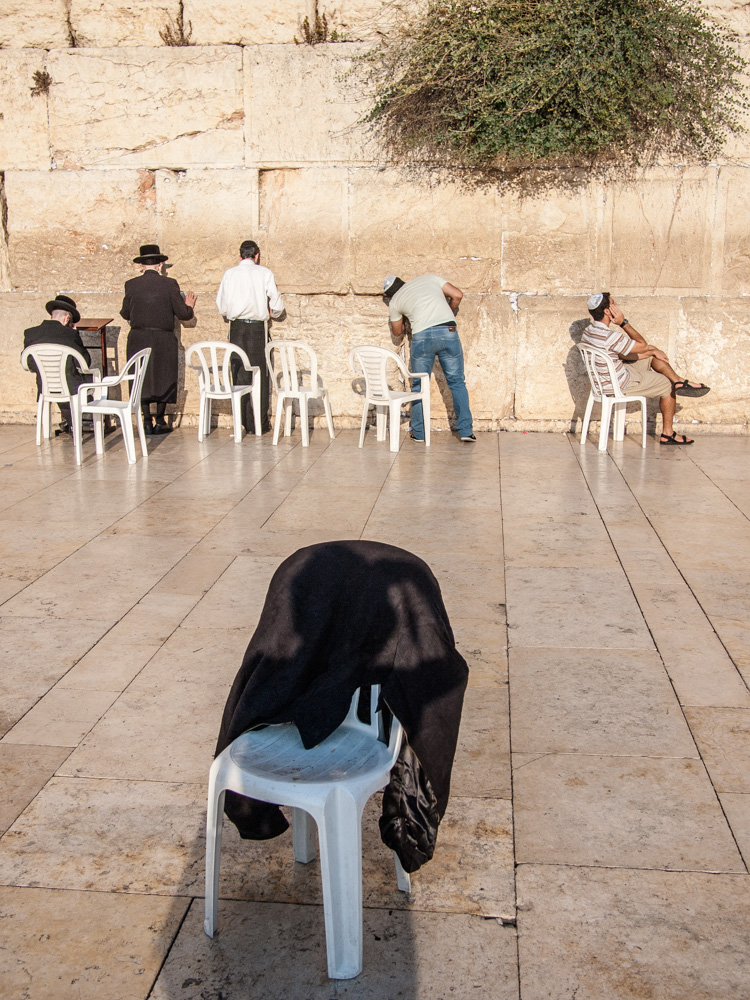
339	616
53	332
152	303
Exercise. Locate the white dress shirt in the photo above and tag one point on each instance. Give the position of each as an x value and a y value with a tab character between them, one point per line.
246	292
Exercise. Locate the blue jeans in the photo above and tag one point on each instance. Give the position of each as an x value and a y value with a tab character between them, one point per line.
444	342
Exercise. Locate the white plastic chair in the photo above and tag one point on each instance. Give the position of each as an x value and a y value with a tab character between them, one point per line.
51	361
289	384
215	382
373	362
329	784
124	409
595	359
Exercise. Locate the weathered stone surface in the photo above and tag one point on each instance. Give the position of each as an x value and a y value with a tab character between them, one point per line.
302	106
367	19
103	23
235	22
735	278
551	238
661	232
203	217
75	230
305	219
414	225
24	142
37	24
165	107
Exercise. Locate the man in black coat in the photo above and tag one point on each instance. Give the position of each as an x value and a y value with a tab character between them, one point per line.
60	329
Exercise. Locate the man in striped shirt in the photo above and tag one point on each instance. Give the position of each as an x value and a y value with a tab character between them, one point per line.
640	368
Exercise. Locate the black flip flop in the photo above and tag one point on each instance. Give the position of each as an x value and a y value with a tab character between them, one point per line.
685	389
672	439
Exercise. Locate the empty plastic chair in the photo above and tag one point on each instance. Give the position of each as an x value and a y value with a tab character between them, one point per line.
373	362
124	409
289	383
598	362
329	784
51	361
215	382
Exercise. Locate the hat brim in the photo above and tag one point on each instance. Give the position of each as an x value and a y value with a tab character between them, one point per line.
55	304
156	258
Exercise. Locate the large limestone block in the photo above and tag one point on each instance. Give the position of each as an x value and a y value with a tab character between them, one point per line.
412	225
661	231
735	194
103	23
303	225
236	22
301	105
712	345
77	230
203	217
552	236
487	326
24	141
165	107
17	313
354	20
38	24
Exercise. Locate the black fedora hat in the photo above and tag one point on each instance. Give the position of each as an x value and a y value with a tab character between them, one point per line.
66	303
150	254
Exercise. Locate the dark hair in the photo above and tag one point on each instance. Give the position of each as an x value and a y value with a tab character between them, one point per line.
249	249
598	313
397	285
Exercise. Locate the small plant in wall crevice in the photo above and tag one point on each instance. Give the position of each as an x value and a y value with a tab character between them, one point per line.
515	83
42	83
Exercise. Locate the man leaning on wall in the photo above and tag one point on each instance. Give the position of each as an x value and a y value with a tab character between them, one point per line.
641	369
247	297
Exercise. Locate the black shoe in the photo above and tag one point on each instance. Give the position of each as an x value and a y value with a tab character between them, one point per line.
148	428
64	428
414	437
162	427
468	438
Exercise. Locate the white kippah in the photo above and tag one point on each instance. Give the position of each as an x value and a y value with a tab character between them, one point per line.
388	282
594	300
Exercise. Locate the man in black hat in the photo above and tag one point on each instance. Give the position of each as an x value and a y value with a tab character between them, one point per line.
60	329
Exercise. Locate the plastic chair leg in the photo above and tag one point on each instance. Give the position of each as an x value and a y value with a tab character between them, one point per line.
255	400
340	837
403	879
99	433
394	424
277	420
202	417
363	428
303	421
605	419
643	423
39	419
329	415
587	417
141	432
288	413
426	413
237	417
75	420
214	822
304	837
47	420
618	433
380	419
127	436
207	415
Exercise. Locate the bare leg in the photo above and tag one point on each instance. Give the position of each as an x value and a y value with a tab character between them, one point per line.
667	407
664	368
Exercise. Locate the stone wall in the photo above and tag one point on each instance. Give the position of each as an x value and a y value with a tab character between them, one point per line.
245	134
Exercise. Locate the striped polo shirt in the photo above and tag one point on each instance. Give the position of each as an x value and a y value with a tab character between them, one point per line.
614	342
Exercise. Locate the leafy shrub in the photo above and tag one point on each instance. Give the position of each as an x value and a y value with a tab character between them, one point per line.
517	82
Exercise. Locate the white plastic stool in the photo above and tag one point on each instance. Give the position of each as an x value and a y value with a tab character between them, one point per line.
329	784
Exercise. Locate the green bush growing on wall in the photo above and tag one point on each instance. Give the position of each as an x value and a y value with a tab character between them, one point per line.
491	82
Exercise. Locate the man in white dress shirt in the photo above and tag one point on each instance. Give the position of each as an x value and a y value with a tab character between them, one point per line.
247	296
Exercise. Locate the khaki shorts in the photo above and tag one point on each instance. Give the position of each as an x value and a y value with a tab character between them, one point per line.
644	381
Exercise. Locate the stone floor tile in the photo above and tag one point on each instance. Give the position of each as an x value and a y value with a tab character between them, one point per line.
630	812
481	768
595	702
24	771
471	588
736	806
36	653
278	952
165	516
83	945
576	541
723	738
236	600
61	718
483	645
597	934
584	608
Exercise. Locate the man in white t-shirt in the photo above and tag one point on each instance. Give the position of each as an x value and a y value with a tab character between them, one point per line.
640	368
430	305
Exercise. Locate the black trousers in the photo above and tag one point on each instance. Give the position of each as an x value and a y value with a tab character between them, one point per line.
251	337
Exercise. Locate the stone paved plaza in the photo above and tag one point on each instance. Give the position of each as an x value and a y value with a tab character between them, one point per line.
596	842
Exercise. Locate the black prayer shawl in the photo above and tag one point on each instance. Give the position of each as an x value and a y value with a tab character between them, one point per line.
342	615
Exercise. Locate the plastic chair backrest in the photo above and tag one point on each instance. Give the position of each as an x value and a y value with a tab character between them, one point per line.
597	362
51	360
373	362
281	356
139	363
215	357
